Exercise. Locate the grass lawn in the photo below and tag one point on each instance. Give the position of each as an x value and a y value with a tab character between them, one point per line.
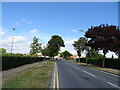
35	77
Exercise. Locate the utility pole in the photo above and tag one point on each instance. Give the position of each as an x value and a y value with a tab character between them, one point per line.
12	40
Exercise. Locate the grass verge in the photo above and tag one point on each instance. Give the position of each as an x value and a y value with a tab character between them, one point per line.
35	77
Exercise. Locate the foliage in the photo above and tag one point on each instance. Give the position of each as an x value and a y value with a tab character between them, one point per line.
15	61
46	51
35	46
79	45
54	45
2	50
103	37
92	53
65	54
109	62
12	54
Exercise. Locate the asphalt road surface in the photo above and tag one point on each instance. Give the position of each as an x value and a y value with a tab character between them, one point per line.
72	75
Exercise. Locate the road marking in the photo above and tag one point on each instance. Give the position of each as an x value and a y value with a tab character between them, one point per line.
57	78
88	73
75	67
113	85
54	78
106	72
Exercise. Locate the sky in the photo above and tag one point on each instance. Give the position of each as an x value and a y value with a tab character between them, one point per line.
44	19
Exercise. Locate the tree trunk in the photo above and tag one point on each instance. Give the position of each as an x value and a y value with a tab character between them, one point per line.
86	61
44	61
119	55
103	62
79	59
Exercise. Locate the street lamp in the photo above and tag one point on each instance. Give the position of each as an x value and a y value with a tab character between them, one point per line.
12	40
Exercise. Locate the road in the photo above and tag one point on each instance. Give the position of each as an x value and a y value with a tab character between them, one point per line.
72	75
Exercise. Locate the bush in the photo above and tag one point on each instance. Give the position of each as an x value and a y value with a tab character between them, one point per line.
109	62
9	62
11	54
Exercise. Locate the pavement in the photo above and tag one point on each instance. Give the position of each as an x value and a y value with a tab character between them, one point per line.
72	75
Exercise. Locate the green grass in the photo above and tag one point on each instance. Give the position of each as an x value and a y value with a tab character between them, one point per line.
35	77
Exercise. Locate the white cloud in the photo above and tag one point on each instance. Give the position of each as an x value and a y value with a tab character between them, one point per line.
69	47
74	30
109	54
26	21
17	23
1	31
70	41
33	31
20	45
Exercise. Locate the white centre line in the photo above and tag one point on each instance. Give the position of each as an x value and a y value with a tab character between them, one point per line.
113	85
88	73
75	67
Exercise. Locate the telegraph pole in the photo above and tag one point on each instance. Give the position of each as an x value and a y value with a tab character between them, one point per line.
12	40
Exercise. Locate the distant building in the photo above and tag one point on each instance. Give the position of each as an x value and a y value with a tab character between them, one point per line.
74	57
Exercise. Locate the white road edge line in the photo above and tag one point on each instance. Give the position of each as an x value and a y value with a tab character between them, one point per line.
54	78
57	78
106	72
113	85
88	73
75	67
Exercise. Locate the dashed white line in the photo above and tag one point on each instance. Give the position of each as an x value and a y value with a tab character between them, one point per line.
113	85
75	67
88	73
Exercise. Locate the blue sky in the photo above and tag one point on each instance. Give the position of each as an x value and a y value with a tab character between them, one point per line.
46	19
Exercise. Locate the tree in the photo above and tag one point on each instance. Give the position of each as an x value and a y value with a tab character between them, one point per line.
92	53
65	54
102	37
35	46
54	45
45	51
2	50
79	45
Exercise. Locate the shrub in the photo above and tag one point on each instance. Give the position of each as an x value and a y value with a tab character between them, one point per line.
109	62
9	62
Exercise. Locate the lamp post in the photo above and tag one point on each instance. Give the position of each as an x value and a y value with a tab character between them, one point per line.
88	47
12	40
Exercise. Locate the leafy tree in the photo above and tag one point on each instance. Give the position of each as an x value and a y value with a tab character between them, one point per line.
103	37
79	45
46	51
2	50
35	46
93	53
54	45
65	54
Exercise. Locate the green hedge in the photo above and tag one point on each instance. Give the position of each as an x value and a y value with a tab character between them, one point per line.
9	62
109	62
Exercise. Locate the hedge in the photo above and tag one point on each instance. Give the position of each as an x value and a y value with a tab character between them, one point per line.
109	62
9	62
